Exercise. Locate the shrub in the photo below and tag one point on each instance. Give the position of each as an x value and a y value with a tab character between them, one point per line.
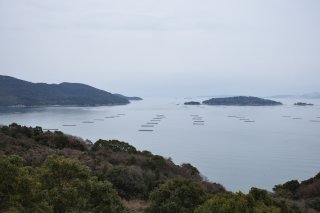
114	145
176	195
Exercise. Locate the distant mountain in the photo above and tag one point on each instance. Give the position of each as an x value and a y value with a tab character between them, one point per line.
129	98
311	95
314	95
15	92
241	101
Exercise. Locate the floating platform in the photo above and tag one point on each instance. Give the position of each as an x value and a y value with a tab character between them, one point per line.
151	123
69	125
247	121
314	120
147	125
145	130
87	122
296	118
198	121
197	118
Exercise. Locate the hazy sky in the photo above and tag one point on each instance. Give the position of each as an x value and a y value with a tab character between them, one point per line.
165	47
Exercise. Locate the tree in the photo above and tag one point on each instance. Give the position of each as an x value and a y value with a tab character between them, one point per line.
72	188
20	191
176	195
225	203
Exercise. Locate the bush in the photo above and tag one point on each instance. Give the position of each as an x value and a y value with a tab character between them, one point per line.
61	185
178	195
225	203
114	145
128	182
257	201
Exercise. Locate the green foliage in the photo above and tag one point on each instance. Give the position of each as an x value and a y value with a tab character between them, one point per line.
113	145
61	185
192	170
19	187
256	201
155	163
225	203
177	195
58	140
17	131
313	203
128	182
289	188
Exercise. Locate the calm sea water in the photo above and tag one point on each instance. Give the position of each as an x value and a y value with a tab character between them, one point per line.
239	147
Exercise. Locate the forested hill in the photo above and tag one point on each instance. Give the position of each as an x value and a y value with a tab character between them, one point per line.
18	92
241	101
44	171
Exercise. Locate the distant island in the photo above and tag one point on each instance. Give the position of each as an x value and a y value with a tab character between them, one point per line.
241	101
303	104
192	103
16	92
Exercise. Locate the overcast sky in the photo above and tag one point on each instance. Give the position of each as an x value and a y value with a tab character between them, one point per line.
165	47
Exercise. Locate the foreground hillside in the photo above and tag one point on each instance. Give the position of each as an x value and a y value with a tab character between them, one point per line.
18	92
53	172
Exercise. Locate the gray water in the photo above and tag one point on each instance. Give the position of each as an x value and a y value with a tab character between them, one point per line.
239	147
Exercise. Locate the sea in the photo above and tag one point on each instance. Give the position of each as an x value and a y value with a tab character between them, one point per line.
237	146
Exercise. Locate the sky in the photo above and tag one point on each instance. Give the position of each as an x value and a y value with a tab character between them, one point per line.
165	47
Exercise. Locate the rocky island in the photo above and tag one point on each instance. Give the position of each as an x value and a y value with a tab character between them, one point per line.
241	101
303	104
16	92
192	103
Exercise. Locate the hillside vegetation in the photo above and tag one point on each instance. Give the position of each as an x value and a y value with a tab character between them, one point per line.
54	172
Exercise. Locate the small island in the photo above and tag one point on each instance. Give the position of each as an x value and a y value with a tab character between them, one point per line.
241	101
303	104
192	103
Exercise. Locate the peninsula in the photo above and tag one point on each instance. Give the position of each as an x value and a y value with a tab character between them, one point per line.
241	101
16	92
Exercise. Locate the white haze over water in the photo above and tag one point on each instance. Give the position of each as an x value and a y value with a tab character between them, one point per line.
167	47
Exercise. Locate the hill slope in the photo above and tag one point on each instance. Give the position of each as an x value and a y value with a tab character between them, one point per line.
18	92
53	172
